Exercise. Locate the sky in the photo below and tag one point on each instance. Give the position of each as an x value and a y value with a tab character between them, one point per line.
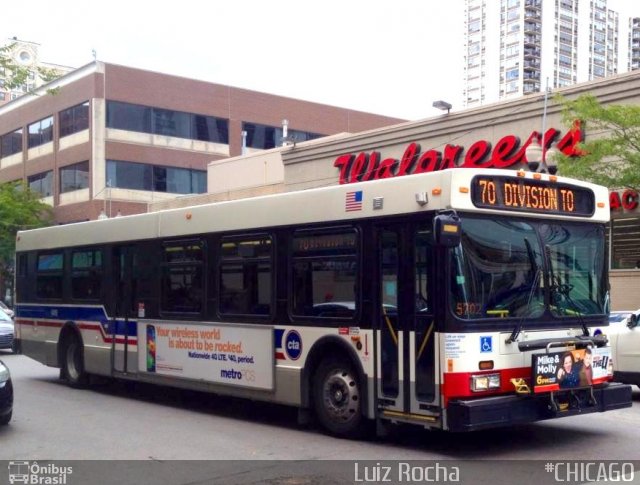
390	57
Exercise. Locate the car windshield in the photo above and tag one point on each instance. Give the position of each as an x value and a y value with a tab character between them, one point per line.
504	266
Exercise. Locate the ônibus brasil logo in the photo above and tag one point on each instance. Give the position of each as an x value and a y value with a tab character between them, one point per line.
34	473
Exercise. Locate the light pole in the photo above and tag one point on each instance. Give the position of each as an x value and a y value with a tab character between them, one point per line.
537	154
103	212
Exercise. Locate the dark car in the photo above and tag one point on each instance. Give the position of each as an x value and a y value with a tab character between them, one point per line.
6	331
6	395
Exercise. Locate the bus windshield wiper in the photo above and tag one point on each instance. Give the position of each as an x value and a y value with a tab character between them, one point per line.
536	281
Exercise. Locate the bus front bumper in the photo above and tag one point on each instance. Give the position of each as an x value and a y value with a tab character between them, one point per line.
492	412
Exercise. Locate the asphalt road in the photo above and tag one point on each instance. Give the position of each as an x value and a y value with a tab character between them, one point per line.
249	442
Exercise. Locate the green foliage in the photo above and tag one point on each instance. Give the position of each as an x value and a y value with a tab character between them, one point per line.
612	147
17	75
20	208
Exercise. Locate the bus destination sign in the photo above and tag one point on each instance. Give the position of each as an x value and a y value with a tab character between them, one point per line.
508	193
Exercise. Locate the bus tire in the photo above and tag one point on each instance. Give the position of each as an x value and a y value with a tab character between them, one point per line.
4	420
73	363
336	398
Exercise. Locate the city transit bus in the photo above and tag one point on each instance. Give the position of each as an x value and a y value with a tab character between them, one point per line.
457	300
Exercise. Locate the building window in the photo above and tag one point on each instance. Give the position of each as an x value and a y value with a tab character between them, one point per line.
265	137
156	178
75	119
158	121
11	143
41	132
74	177
246	282
42	183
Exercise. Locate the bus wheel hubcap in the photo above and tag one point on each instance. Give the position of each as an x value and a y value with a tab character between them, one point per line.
341	395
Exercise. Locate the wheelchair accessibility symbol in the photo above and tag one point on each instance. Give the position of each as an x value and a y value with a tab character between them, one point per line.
486	344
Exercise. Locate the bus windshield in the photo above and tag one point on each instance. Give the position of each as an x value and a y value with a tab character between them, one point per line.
509	268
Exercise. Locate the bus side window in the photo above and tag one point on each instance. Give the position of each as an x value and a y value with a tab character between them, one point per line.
246	275
182	267
50	275
325	273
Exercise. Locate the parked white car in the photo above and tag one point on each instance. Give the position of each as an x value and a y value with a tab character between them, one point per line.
624	336
6	309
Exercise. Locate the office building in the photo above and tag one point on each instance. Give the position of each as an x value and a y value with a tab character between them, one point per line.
112	139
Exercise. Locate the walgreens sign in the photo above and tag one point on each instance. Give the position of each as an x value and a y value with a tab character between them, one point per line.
509	151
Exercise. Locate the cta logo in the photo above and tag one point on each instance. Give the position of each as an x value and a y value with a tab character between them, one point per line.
293	345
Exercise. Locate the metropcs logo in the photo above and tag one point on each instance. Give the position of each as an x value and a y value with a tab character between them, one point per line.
34	473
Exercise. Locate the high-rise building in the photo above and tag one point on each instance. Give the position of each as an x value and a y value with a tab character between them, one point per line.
27	55
634	44
514	47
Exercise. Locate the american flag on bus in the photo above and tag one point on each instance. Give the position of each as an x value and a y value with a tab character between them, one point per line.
353	201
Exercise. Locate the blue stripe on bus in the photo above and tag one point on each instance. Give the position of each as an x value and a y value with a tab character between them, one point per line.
78	314
98	315
278	333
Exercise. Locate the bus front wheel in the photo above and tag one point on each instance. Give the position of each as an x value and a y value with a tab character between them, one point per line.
74	363
337	398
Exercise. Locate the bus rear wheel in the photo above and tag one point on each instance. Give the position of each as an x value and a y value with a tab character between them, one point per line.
73	363
337	398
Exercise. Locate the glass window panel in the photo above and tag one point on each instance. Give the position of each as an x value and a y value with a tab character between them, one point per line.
129	175
74	119
325	272
125	116
208	128
182	277
42	183
246	276
74	177
171	123
40	132
12	143
49	275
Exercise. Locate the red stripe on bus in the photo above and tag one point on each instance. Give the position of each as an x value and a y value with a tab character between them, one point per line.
280	356
458	384
83	326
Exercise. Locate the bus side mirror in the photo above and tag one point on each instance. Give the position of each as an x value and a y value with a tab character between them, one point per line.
446	229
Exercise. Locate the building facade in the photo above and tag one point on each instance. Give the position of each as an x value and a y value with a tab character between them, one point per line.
25	54
492	136
516	47
111	139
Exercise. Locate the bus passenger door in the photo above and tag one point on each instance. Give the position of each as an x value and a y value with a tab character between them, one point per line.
405	326
123	320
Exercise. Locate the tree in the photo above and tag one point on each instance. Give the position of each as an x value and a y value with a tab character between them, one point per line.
17	75
611	153
20	208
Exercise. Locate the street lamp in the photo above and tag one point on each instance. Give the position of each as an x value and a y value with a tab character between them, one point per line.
537	157
443	105
538	154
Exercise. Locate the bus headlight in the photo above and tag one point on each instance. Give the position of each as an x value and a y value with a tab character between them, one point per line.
486	382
